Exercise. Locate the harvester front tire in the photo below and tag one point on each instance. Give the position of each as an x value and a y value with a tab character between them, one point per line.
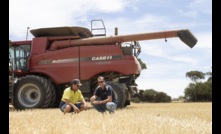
33	92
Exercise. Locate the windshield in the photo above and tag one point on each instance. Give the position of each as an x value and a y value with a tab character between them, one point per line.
18	57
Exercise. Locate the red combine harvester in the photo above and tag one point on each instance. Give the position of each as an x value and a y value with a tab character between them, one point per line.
41	68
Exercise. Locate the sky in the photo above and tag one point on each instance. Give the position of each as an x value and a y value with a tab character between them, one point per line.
167	62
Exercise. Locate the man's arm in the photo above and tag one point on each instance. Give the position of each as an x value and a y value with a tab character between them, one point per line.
93	98
84	102
109	99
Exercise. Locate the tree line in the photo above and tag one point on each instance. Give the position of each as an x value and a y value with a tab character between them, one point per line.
198	90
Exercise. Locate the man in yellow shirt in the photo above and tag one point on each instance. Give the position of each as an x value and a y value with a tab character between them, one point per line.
72	99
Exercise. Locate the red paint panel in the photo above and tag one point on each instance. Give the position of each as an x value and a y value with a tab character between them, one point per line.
97	60
61	65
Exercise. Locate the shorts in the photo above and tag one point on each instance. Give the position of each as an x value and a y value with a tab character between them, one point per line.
63	105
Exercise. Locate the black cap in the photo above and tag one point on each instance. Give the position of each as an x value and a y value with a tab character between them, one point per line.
76	82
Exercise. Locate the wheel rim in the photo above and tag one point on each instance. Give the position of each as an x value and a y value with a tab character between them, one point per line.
29	95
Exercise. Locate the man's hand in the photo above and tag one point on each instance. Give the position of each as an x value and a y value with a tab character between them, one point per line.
85	106
76	110
92	99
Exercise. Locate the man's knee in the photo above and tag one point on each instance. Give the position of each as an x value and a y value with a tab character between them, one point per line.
67	108
110	106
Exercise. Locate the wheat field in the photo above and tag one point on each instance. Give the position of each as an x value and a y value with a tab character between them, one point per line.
137	118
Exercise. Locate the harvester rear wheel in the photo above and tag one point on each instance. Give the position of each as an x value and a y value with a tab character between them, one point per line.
33	92
119	93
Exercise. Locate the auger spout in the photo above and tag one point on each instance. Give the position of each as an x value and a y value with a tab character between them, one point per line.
184	34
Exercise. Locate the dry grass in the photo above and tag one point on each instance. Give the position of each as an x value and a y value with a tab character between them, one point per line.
142	118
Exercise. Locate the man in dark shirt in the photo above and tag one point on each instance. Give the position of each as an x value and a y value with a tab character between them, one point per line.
107	100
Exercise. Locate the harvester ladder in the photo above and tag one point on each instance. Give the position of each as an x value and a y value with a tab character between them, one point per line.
98	28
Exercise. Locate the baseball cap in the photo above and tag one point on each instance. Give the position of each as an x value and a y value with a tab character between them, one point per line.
76	82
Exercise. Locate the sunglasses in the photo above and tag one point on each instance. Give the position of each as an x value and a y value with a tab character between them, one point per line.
77	85
100	81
